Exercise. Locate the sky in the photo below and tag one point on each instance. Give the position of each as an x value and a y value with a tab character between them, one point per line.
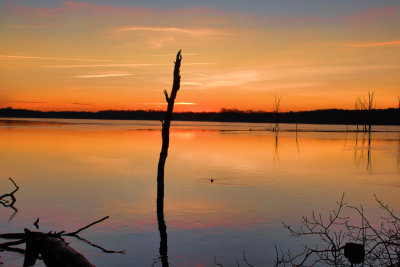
97	55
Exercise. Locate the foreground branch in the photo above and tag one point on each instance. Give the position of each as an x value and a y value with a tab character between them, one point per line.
345	243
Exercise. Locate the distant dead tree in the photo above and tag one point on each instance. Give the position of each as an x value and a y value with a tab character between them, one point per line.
357	107
368	104
275	109
398	100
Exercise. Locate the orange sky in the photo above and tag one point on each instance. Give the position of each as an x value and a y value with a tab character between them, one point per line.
119	55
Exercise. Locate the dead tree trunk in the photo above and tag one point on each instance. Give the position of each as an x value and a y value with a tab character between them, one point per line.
163	157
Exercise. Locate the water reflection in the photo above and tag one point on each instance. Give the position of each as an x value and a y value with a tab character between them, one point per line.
297	142
276	147
369	162
363	151
398	153
242	209
162	228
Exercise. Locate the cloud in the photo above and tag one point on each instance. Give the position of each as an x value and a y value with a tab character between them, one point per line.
2	56
170	30
27	102
277	76
82	104
190	83
372	14
181	103
374	44
290	85
229	79
107	65
136	65
104	75
21	26
164	104
172	55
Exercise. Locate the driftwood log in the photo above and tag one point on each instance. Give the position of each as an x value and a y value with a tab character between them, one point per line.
54	251
51	247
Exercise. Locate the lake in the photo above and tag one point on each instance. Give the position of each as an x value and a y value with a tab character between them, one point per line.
228	186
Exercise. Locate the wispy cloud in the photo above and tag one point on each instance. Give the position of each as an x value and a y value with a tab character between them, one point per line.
191	83
230	79
22	26
3	56
82	104
164	104
104	75
374	44
372	14
290	85
172	55
169	30
136	65
26	102
180	103
106	65
278	77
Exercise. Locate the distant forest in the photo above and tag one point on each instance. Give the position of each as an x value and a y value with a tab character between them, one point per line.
389	116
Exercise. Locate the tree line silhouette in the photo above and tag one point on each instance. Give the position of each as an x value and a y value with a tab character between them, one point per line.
388	116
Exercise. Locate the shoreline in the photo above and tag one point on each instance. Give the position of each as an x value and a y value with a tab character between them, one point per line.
329	116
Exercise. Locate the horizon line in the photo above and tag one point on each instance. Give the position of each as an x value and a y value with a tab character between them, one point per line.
222	110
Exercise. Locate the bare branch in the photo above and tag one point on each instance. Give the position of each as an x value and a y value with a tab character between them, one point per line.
216	263
85	227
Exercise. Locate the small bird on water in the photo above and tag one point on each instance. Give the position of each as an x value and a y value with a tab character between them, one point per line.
212	180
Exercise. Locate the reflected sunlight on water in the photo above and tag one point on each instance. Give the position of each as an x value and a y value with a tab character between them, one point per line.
72	172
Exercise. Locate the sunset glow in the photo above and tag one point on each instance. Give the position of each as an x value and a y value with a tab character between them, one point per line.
99	55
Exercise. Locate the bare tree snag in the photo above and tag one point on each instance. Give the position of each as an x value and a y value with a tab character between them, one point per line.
275	108
166	122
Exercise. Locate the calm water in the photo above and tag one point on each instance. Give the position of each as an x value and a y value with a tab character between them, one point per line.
73	172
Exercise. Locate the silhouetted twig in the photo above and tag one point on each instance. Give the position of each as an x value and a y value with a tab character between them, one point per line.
99	247
85	227
217	263
245	260
10	204
36	223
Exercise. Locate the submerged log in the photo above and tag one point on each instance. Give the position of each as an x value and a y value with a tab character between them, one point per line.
52	248
54	251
